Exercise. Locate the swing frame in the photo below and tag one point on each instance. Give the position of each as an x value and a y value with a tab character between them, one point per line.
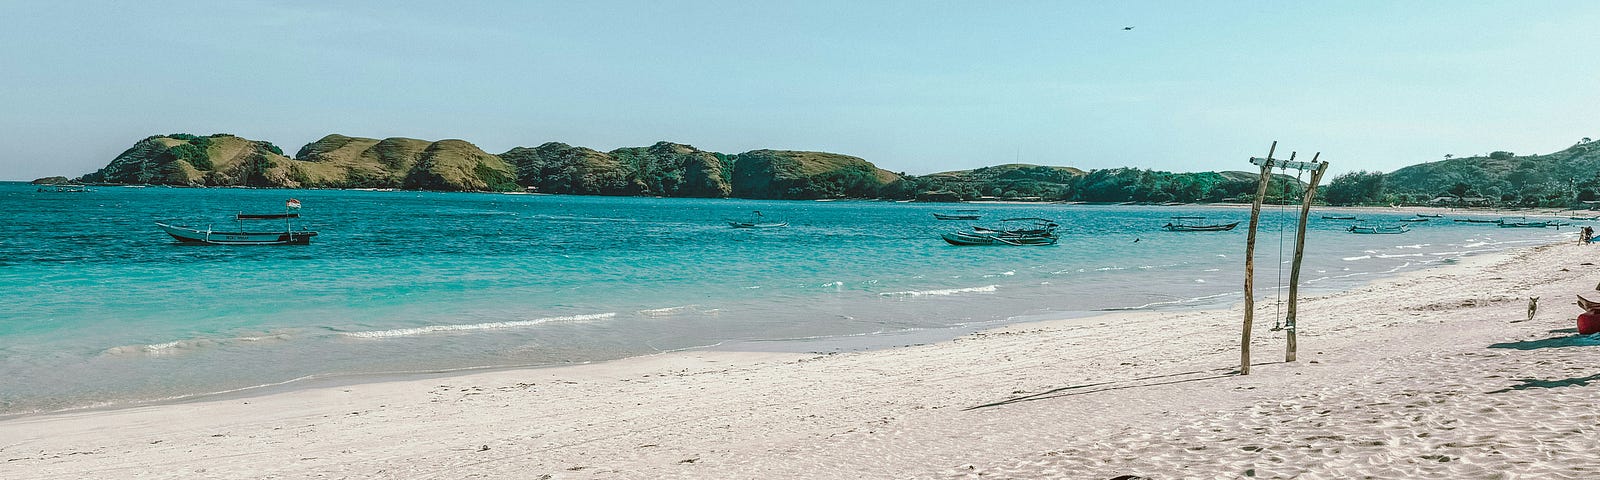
1317	168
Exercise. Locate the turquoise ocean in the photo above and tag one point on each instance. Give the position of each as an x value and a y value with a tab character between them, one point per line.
101	308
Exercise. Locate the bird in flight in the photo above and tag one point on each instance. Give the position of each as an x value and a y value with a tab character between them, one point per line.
1127	28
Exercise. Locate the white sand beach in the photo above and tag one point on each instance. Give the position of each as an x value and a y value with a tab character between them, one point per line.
1433	374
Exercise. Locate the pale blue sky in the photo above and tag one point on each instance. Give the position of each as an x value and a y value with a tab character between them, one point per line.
918	87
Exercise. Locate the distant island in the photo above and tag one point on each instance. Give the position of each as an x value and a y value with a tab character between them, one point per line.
1568	178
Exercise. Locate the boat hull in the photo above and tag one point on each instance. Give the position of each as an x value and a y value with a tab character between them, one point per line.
757	225
1380	230
1200	228
970	239
205	237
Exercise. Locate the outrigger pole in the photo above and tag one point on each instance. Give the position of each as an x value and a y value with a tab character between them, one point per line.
1266	164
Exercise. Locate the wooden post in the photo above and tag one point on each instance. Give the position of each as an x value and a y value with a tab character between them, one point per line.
1250	261
1299	252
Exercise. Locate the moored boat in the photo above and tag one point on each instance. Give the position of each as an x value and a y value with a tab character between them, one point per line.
1379	229
958	215
1338	217
240	236
1179	227
1540	224
757	220
1017	232
1430	215
1414	220
1475	220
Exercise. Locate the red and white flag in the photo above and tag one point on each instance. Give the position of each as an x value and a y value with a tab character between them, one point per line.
293	203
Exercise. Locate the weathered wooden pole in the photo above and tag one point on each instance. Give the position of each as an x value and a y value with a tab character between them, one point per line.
1250	261
1299	252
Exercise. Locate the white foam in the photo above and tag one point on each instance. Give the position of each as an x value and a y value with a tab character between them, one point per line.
947	291
1400	255
1352	259
661	312
179	346
406	332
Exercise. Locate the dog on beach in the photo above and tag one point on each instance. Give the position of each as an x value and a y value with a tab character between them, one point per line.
1533	306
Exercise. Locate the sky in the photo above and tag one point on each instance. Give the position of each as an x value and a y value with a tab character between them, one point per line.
914	87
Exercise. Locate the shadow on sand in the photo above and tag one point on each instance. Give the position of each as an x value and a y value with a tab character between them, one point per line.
1119	385
1555	342
1528	383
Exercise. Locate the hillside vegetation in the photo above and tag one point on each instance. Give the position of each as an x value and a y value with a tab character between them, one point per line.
1565	178
663	169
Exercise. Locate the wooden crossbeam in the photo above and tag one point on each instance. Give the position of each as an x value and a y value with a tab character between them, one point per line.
1280	163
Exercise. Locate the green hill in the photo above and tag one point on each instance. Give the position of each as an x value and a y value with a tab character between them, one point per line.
786	174
335	161
1503	175
183	159
664	169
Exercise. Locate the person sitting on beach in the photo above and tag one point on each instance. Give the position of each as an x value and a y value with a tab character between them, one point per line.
1586	235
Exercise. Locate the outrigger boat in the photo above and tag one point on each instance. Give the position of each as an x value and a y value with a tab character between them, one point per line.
288	236
757	220
1430	215
1338	217
1179	227
1414	220
1528	224
1476	220
959	215
1037	231
1379	229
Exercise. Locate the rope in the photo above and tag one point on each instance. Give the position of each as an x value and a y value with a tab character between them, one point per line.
1283	202
1283	212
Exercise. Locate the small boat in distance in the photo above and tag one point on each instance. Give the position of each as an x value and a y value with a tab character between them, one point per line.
1338	217
958	215
1414	220
1475	220
288	236
757	220
1430	215
1379	229
1505	224
1179	227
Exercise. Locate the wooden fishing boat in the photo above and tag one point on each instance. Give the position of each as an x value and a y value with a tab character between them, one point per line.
1528	224
1338	217
1475	220
1379	229
958	215
1430	215
1178	227
240	236
757	220
1017	232
1414	220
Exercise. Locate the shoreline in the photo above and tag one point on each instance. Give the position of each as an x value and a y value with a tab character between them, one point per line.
1139	386
849	343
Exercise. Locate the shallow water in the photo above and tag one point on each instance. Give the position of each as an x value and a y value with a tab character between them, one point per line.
100	307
